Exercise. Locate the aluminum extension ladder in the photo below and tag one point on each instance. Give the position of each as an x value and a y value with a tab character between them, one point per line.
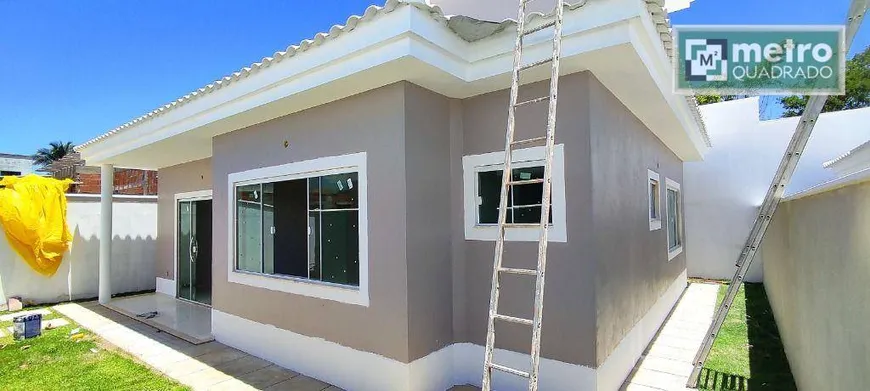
507	183
774	196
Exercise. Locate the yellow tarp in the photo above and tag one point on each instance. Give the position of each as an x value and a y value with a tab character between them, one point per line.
33	215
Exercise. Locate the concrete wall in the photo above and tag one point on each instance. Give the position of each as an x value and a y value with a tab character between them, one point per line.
134	250
816	272
16	164
372	122
632	267
183	178
722	194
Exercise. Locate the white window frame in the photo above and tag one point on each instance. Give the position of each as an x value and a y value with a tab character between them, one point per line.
655	223
673	185
527	157
300	286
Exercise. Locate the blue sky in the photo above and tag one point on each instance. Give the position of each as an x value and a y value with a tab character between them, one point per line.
71	70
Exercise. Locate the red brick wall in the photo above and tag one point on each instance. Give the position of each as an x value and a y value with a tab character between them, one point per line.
127	182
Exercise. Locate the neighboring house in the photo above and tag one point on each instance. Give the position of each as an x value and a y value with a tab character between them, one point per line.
15	165
344	191
816	254
724	192
86	179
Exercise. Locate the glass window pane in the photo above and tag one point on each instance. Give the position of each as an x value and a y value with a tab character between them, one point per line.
314	193
488	191
653	199
268	228
673	239
528	194
249	235
339	191
290	232
314	245
340	247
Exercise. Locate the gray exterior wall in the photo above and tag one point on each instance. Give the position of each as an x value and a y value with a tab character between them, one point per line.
373	122
183	178
816	275
632	270
429	287
569	320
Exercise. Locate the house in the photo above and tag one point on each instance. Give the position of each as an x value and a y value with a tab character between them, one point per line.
86	179
332	205
15	165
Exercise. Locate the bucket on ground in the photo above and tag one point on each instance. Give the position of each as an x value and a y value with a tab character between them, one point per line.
27	326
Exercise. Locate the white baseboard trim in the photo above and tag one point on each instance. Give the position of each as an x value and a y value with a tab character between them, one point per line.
456	364
617	366
353	370
166	287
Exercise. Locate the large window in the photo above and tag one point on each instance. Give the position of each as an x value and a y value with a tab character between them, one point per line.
674	219
305	228
482	175
654	200
302	223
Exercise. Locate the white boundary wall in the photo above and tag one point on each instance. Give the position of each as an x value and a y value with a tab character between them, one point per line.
134	249
722	194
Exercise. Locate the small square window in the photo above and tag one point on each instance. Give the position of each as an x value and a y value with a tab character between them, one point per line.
482	191
654	200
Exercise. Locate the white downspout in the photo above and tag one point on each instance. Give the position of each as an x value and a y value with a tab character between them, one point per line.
107	185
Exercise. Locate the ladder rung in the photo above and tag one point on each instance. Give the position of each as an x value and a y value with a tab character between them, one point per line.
522	225
527	272
536	63
513	319
526	182
509	370
530	140
533	101
539	28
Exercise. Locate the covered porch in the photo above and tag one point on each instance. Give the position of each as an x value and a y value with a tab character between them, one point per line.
180	318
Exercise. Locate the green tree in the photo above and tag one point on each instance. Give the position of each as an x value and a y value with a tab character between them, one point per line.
56	150
707	99
857	90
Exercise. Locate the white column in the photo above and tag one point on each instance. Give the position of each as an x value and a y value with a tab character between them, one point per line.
107	185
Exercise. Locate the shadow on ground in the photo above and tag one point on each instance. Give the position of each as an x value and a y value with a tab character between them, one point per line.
768	364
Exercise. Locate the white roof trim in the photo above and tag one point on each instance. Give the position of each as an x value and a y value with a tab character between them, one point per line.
663	25
848	180
373	13
839	159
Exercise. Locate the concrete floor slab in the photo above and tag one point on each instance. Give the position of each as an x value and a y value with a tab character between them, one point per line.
266	377
299	383
242	366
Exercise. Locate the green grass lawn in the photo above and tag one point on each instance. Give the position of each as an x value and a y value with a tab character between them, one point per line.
58	361
748	353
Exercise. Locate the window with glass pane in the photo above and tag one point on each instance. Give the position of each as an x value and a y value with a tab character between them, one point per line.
303	228
654	199
674	233
524	201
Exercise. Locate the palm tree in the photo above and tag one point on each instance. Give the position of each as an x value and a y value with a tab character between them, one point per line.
56	150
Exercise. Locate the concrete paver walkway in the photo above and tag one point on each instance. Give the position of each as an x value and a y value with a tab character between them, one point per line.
209	366
667	363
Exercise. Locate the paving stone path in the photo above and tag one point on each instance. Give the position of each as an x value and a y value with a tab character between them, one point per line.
210	366
668	362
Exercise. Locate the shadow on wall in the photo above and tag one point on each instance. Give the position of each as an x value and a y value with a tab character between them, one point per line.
77	277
